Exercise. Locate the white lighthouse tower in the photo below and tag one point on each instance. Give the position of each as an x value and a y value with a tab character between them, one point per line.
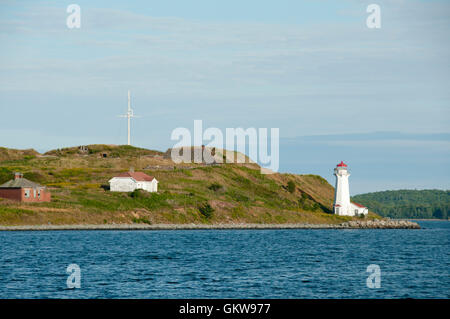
342	204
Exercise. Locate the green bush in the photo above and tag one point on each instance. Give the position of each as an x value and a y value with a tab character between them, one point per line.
138	193
291	186
302	200
206	210
215	187
141	220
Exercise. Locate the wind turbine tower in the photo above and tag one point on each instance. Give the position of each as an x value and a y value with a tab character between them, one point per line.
129	115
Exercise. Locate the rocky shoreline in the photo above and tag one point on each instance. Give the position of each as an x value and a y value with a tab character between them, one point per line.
354	224
381	224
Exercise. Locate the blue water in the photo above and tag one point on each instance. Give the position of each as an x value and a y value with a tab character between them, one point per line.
227	263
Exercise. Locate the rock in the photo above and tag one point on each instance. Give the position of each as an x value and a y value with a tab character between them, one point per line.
380	224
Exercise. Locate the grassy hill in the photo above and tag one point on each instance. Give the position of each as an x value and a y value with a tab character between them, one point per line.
408	203
101	150
13	154
188	193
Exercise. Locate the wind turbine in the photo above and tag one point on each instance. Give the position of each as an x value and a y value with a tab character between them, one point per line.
129	115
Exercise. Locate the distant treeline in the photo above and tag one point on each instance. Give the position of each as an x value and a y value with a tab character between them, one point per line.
419	204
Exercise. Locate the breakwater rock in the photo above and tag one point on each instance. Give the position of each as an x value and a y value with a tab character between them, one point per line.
354	224
382	224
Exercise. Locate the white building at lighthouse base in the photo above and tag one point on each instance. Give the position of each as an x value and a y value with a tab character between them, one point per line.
354	210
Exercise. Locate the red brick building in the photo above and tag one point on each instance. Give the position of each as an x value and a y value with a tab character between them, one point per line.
24	190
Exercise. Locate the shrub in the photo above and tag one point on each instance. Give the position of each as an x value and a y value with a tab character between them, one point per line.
291	186
206	210
302	200
141	220
138	193
215	187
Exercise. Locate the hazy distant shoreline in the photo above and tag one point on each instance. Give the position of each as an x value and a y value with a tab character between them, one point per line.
385	224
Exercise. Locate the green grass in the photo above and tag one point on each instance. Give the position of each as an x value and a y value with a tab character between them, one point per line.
12	210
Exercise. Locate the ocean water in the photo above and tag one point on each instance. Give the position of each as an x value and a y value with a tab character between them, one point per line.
227	263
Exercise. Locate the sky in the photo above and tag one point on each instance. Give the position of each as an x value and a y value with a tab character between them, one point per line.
378	99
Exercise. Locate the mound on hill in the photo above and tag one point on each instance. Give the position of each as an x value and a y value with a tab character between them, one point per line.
102	150
188	193
9	154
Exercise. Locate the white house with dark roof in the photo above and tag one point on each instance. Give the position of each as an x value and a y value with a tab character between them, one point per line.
129	181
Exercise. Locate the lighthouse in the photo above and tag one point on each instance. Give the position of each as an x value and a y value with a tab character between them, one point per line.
342	205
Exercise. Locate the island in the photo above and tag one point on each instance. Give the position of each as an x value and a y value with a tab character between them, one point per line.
188	196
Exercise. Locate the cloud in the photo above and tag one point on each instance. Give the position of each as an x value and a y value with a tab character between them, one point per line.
305	78
115	46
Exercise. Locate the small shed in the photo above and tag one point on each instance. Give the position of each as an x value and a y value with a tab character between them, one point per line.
24	190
